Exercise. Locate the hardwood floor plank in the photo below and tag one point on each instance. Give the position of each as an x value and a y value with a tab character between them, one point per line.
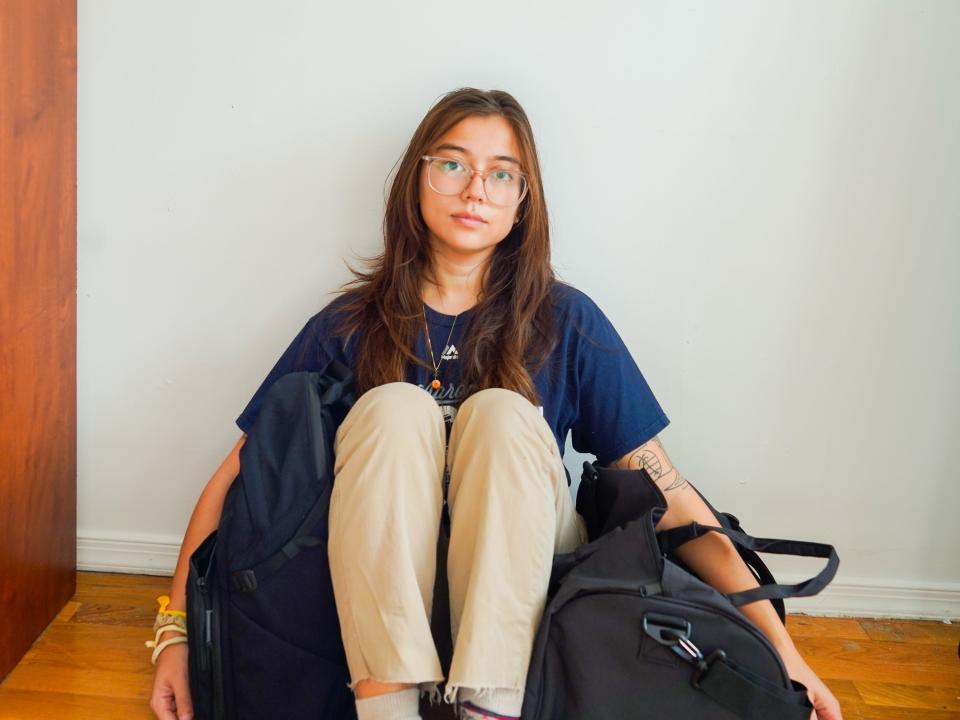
884	713
878	661
76	645
48	677
909	696
847	694
121	590
68	611
806	626
104	614
927	632
28	705
97	660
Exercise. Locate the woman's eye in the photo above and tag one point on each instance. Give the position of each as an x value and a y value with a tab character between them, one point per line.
451	166
503	176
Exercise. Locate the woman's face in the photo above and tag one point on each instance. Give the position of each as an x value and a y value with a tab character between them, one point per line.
467	224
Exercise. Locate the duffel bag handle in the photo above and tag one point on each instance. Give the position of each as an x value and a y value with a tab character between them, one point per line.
673	538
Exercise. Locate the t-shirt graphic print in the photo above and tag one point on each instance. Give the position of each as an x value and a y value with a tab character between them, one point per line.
445	332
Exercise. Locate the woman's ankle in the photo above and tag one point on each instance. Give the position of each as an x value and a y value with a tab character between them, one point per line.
371	688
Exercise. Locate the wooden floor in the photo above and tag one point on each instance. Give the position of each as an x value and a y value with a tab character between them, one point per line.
91	664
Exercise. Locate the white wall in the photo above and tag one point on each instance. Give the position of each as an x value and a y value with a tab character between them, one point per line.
763	196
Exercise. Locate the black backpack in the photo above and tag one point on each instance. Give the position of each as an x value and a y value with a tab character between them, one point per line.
628	632
264	633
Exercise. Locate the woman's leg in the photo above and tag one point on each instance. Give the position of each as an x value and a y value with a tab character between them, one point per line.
510	510
384	519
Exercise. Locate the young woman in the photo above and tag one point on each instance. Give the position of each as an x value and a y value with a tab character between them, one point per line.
473	362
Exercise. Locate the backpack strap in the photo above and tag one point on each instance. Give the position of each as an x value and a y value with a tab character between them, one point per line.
337	396
247	580
673	538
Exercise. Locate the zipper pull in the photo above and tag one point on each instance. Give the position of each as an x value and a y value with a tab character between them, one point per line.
208	628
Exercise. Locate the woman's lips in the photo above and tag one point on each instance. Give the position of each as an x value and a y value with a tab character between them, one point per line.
468	221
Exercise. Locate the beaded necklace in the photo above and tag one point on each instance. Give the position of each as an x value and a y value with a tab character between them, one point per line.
435	384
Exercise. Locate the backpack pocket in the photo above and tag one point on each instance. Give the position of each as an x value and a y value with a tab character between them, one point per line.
282	679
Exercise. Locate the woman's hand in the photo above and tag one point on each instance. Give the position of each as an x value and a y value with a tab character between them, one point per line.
826	706
171	685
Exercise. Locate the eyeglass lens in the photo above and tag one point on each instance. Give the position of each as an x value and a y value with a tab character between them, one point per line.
503	186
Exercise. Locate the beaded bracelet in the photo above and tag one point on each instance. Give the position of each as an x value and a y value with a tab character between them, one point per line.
167	621
169	617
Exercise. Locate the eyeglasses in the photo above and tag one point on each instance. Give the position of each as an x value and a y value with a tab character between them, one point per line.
503	187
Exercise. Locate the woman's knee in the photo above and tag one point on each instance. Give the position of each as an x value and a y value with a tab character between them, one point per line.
500	408
392	408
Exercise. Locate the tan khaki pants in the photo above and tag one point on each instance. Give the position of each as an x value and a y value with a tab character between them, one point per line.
510	511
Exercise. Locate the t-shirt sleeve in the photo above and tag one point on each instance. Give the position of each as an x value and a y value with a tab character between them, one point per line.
617	411
306	352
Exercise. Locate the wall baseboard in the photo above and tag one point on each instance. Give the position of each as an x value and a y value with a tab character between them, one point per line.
126	556
864	599
857	599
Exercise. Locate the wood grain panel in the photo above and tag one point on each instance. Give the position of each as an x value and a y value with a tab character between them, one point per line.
38	288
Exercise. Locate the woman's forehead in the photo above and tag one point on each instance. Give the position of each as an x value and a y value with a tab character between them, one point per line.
489	138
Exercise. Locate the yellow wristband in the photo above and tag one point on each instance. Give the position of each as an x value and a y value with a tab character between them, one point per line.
164	601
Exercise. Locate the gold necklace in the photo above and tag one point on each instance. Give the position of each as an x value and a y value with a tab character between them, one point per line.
435	384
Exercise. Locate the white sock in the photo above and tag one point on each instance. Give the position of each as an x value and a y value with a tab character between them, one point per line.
402	705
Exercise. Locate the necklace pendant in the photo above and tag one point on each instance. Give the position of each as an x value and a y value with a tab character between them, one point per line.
435	384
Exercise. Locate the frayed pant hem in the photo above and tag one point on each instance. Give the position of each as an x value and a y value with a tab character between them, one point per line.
427	687
431	690
478	695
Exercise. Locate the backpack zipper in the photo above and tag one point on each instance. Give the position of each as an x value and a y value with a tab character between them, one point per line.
206	642
210	654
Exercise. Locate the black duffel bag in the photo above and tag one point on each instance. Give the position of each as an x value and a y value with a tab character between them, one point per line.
629	633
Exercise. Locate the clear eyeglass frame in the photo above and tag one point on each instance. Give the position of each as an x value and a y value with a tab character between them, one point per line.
483	176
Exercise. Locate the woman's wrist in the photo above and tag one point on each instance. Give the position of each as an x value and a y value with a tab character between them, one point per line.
787	650
170	628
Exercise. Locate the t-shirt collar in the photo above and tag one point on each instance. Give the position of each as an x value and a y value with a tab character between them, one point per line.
436	318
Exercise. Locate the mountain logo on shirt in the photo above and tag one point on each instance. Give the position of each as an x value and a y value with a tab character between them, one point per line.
450	353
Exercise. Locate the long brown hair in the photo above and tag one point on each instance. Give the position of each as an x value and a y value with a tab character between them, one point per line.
511	332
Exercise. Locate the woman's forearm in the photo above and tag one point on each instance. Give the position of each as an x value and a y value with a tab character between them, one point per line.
715	560
712	556
203	521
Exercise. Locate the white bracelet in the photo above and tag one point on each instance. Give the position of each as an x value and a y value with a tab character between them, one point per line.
160	646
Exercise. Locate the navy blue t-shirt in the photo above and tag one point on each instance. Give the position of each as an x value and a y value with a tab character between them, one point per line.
590	386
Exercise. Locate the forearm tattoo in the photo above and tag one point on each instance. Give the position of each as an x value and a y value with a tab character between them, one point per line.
653	458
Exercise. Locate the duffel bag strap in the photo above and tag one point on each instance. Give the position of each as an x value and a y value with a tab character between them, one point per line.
757	565
673	538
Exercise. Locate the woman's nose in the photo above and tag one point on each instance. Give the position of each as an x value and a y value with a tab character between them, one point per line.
475	188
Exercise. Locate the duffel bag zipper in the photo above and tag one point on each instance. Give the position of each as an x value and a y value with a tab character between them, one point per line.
742	622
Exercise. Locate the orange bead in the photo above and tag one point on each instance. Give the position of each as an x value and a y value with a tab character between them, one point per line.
435	384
